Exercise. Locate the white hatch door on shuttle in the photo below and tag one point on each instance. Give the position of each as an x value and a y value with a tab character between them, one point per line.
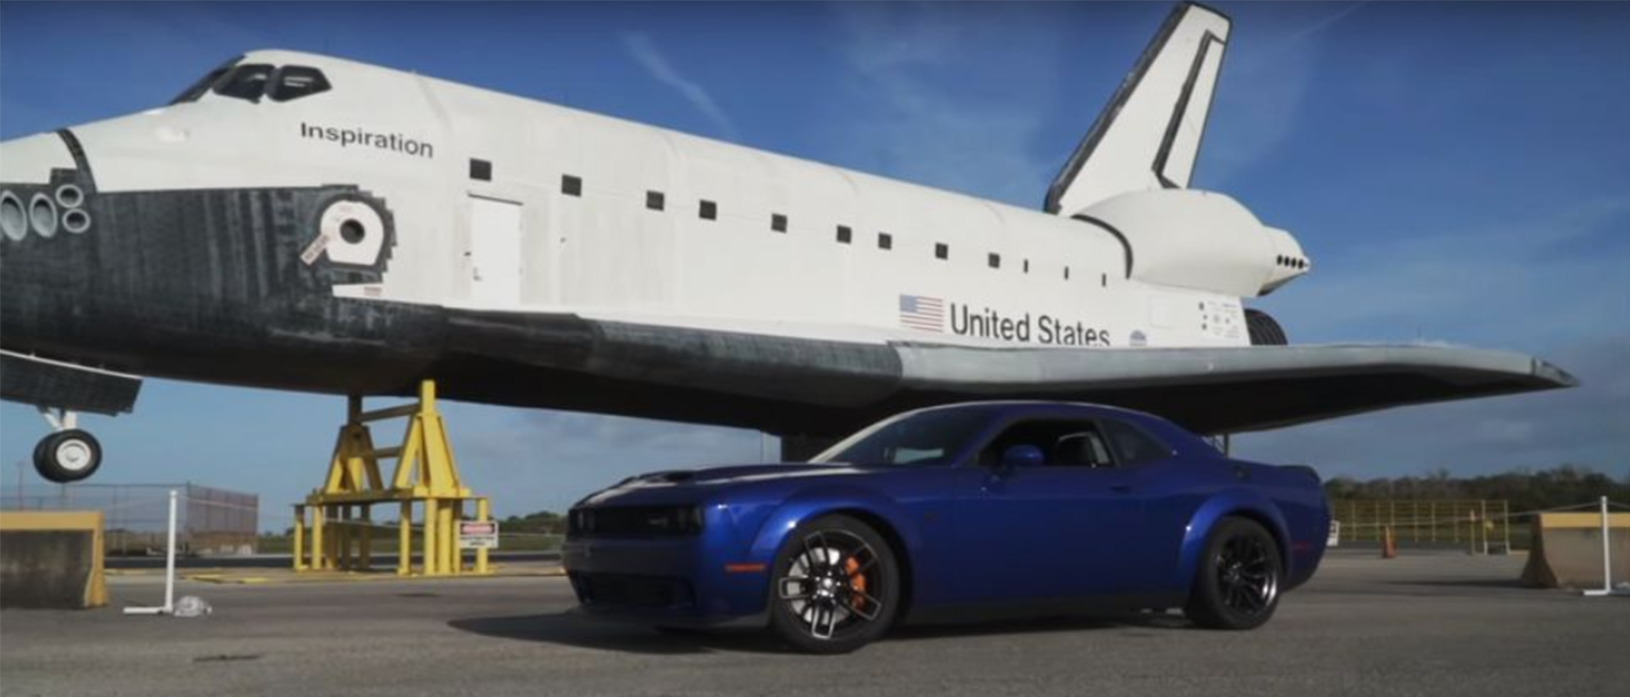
495	252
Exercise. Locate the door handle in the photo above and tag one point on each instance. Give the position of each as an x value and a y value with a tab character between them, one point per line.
1121	489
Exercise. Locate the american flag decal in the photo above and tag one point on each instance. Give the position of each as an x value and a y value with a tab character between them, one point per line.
922	312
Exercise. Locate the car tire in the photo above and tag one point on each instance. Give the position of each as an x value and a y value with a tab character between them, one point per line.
834	586
67	456
1240	575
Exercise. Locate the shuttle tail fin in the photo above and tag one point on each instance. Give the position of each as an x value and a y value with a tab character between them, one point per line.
1149	134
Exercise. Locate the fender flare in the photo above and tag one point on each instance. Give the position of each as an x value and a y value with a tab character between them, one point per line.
816	502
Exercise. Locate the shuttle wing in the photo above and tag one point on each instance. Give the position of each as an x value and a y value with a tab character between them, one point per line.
1230	390
810	386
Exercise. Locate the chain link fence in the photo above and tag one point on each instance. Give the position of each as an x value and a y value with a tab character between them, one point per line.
1477	525
209	521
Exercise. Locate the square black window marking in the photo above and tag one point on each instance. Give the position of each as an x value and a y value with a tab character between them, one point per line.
480	170
845	234
1103	280
1066	273
778	222
885	240
995	261
570	185
708	211
942	250
654	200
1027	266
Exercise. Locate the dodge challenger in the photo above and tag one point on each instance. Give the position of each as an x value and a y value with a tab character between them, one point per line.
968	510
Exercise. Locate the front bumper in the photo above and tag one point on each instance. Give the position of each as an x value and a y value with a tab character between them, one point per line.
681	581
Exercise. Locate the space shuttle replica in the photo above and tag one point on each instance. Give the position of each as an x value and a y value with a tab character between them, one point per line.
300	222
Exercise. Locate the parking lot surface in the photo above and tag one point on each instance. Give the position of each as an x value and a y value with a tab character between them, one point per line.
1430	624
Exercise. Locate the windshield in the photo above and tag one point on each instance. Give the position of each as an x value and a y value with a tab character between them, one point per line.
197	89
930	437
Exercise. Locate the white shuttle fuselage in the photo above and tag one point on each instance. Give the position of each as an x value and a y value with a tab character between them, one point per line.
509	204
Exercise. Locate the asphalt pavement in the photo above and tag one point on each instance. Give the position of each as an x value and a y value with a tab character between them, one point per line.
1433	624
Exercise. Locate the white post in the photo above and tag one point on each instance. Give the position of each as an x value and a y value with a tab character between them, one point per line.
169	560
1607	556
169	572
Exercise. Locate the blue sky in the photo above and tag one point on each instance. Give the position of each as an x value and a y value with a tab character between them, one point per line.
1459	172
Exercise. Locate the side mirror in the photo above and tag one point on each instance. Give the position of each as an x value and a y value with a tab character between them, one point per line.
1022	456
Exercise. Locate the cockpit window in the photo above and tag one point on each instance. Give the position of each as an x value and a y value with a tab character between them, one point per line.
197	89
296	81
245	82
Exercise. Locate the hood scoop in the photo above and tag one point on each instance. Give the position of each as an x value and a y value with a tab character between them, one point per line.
668	476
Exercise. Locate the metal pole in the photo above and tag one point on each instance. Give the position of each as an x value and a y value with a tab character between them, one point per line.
169	573
1505	518
1483	505
169	559
1607	550
483	513
1607	556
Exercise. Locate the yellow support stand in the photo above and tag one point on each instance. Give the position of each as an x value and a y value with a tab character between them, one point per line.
340	523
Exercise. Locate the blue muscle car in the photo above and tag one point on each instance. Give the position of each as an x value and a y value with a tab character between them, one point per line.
1009	507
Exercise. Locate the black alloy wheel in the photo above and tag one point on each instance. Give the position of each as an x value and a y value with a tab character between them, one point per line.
1237	584
835	586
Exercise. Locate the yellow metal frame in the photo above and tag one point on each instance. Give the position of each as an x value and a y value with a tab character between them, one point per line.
341	521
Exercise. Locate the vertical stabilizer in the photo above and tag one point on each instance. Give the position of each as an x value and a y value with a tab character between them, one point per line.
1149	134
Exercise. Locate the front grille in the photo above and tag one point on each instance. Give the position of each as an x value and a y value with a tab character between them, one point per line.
634	521
625	590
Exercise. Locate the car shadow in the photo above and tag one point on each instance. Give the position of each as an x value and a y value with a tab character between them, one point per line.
574	629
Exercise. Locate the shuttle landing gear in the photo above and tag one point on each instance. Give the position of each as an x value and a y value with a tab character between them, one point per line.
68	454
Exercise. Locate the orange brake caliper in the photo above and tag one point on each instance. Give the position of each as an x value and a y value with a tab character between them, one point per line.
857	581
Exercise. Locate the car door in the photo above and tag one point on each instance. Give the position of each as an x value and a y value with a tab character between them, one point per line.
1167	500
1054	530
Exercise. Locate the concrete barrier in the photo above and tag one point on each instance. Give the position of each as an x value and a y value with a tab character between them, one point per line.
1567	550
51	559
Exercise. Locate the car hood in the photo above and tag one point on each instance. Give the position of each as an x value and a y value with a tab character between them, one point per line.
674	485
736	474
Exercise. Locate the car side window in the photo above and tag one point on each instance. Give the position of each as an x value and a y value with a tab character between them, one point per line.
1132	445
1081	449
1063	443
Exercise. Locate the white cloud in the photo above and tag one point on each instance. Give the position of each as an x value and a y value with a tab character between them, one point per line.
644	51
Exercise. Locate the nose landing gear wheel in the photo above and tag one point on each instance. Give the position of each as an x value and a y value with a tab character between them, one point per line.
837	586
67	456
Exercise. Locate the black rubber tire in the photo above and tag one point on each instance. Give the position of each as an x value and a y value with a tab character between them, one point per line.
791	628
1207	606
47	464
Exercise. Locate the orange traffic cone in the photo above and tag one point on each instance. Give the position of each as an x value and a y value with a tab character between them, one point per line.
1389	546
